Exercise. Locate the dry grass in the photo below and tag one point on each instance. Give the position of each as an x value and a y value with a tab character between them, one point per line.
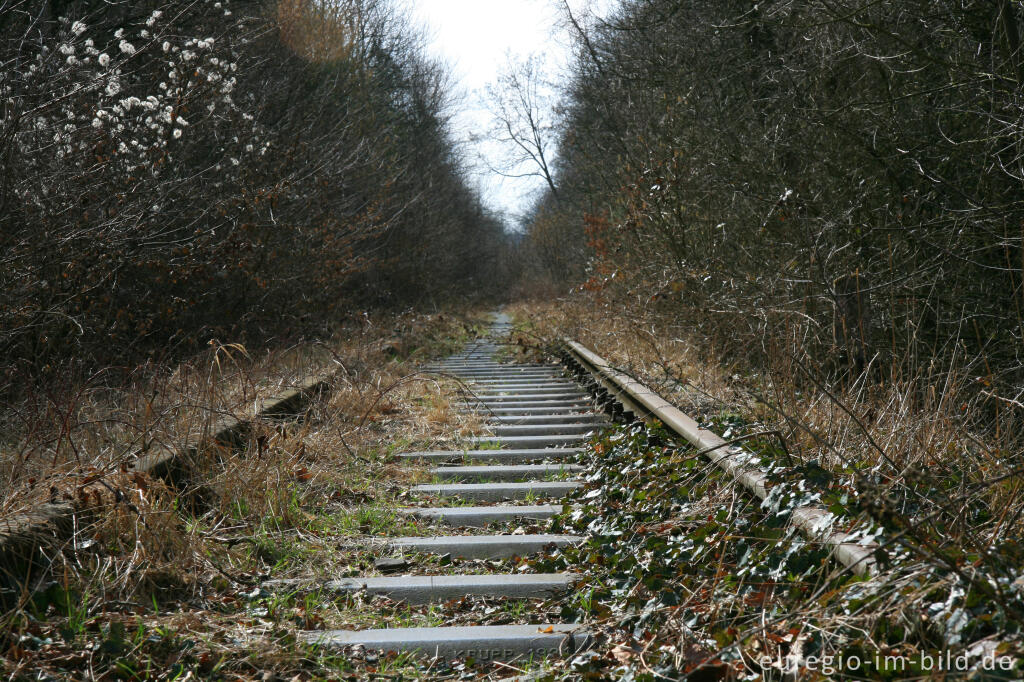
303	498
97	427
893	427
314	499
926	459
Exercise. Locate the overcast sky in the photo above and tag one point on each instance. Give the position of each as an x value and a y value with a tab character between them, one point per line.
475	38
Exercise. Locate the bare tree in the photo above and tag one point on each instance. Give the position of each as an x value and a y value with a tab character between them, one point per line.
749	158
522	106
172	171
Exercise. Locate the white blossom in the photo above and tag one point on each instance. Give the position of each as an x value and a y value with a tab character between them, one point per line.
177	133
113	87
78	28
126	47
166	46
103	59
96	122
153	17
66	49
119	33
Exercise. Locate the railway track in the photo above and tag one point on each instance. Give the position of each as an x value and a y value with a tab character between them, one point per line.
537	416
491	497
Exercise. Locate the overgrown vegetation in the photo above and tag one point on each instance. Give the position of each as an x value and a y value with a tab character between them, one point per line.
202	204
690	577
809	214
834	182
106	425
158	583
225	588
173	171
942	499
800	220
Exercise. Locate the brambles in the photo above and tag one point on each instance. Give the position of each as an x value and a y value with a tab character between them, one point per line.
686	573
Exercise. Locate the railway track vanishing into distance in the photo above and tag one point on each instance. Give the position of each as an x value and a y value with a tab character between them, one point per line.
519	474
538	416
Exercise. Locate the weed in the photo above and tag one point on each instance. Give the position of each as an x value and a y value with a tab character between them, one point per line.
76	611
683	554
172	586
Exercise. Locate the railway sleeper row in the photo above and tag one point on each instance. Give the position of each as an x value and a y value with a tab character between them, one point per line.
537	418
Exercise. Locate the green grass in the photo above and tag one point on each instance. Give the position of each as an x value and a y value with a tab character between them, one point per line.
387	452
374	519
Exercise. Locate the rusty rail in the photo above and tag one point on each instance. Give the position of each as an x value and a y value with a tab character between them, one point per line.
29	540
815	522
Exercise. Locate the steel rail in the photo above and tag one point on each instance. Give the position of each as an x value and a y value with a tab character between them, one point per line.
815	522
28	538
